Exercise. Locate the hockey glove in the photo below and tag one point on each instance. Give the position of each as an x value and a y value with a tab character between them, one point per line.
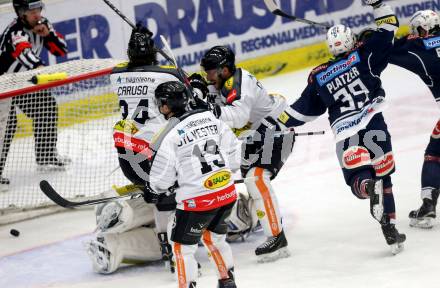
198	82
374	3
150	196
268	127
198	103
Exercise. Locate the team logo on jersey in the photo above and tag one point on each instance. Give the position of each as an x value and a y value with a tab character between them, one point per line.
431	43
191	203
218	180
338	68
119	80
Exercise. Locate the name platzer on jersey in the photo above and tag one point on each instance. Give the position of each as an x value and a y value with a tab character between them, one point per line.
343	80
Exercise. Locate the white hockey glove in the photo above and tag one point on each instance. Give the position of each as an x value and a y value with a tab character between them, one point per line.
374	3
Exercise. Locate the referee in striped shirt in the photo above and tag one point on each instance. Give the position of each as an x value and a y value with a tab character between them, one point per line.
20	48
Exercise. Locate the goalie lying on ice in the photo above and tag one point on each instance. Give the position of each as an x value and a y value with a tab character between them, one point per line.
126	232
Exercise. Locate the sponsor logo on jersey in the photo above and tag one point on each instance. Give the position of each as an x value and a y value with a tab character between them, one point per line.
432	43
198	122
134	80
356	156
385	165
392	19
284	117
218	180
195	230
338	68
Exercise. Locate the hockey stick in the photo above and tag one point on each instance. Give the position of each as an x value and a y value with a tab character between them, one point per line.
117	11
53	195
275	9
313	133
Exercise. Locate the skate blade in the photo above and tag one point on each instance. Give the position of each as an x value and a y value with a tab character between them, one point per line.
396	248
424	223
274	256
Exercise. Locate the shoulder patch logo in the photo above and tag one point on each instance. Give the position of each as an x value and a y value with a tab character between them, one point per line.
122	65
229	83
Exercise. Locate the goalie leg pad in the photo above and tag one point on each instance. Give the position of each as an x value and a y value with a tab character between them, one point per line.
109	250
266	202
121	216
241	220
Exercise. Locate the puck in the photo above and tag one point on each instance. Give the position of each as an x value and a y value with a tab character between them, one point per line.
15	232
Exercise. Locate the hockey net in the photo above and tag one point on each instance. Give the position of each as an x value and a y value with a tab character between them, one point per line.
82	133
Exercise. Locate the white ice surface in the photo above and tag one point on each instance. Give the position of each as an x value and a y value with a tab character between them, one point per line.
333	240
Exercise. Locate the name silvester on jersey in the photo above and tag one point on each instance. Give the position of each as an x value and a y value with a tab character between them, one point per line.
190	136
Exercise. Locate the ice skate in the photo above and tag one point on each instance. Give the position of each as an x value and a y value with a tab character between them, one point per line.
57	163
226	283
375	191
273	249
393	238
425	215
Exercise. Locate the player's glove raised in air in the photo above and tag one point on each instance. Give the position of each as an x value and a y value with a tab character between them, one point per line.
198	82
374	3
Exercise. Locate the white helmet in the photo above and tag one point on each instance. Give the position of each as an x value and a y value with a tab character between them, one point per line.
423	22
340	39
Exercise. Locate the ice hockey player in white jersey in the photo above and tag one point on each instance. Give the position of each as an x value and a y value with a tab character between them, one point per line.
200	153
122	234
243	104
127	229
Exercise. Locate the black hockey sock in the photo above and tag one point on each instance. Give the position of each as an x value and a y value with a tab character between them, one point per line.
389	205
431	172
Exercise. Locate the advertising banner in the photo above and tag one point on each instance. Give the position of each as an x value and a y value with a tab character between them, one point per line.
93	30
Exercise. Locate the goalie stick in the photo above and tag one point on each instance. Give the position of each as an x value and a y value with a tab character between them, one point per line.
275	9
53	195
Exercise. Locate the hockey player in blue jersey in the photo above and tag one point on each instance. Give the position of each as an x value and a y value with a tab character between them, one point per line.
419	52
350	89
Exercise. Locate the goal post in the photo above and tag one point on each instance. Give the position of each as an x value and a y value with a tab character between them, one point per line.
76	115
